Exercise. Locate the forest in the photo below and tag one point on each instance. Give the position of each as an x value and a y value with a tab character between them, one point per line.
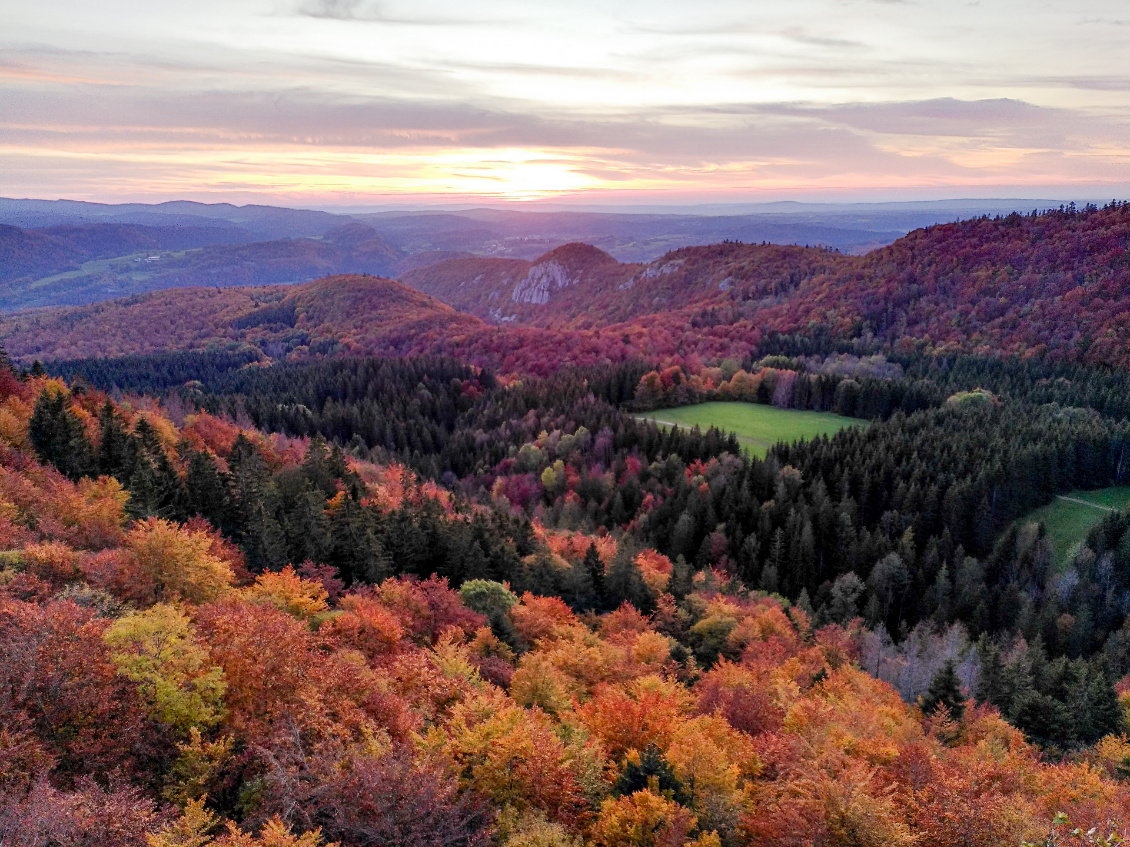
267	593
542	621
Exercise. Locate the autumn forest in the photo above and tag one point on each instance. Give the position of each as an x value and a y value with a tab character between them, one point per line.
364	561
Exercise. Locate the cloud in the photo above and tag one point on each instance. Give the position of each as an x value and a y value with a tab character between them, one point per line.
375	12
338	9
644	95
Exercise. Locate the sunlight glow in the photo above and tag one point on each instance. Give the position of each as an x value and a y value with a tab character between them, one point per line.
525	100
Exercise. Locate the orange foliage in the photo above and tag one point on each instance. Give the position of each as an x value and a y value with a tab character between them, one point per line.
643	819
287	591
277	677
645	711
207	432
513	756
364	624
537	619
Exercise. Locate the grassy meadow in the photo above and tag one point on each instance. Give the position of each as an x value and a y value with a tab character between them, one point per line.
1070	517
757	427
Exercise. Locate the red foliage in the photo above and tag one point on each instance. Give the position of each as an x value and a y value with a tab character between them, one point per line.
427	608
89	816
56	670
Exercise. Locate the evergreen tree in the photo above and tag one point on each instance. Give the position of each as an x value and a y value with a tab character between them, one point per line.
58	436
594	567
652	768
117	450
682	579
945	690
624	583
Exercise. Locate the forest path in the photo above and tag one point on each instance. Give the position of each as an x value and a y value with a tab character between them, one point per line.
1085	503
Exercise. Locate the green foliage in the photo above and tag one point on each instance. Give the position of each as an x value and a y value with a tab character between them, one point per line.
650	770
492	599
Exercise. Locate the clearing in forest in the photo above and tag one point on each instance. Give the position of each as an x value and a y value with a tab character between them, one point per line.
757	427
1070	517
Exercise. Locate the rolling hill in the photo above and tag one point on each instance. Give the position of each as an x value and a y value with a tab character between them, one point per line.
514	290
68	265
348	313
1055	284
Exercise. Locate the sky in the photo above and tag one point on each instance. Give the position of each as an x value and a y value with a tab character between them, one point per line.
349	102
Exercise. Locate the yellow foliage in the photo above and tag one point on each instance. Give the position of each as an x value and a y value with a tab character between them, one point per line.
156	649
180	561
511	755
533	830
538	683
651	650
453	658
855	809
287	591
642	819
275	833
195	768
191	829
854	713
1113	750
14	417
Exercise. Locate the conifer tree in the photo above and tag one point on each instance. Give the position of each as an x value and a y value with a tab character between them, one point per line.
58	437
945	690
594	567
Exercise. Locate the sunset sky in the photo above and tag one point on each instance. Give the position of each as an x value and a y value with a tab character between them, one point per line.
325	102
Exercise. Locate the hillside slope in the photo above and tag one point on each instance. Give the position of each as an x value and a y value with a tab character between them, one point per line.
341	312
1057	283
71	265
31	254
561	283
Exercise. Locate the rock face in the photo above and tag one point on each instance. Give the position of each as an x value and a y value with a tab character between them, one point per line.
540	281
560	268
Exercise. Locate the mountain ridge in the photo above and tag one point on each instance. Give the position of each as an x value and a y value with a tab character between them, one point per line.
1056	284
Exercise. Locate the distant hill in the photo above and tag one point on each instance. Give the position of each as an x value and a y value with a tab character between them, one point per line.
88	252
643	237
259	223
1056	283
338	313
73	264
582	287
31	254
513	290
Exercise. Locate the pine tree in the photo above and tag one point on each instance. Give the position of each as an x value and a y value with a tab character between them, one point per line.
207	491
594	567
652	769
945	690
58	437
117	450
682	579
624	584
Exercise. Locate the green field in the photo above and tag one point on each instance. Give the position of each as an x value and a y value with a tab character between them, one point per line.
1070	517
757	427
